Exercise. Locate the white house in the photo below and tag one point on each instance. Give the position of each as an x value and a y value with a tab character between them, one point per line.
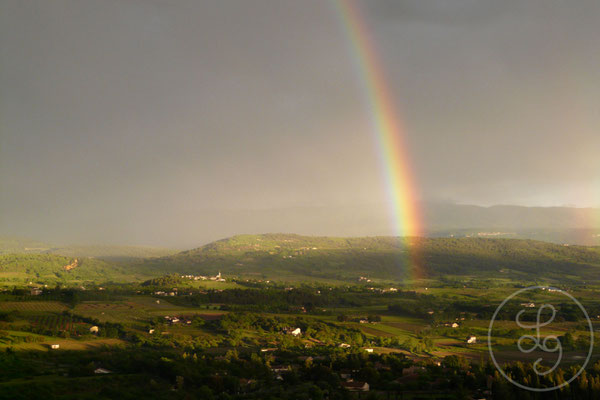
101	371
356	386
454	325
346	374
471	339
94	329
295	332
268	349
55	346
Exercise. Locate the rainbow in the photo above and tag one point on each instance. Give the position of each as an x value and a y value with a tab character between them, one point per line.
387	126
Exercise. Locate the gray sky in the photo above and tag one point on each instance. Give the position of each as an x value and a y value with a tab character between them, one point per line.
140	121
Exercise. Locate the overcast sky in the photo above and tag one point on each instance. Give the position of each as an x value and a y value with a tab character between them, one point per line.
117	116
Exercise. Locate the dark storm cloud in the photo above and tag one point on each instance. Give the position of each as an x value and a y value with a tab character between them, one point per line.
134	120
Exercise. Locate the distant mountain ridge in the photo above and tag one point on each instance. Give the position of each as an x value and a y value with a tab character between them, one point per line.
554	224
438	219
449	216
10	245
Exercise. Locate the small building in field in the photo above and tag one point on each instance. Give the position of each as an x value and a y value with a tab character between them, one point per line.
346	374
278	369
471	339
455	325
294	332
356	386
94	329
55	346
369	350
102	371
268	349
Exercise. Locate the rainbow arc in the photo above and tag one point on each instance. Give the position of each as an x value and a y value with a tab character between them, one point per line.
388	128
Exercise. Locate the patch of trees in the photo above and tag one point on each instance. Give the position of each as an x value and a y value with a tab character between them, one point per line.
164	281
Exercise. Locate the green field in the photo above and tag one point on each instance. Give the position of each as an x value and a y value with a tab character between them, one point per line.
350	299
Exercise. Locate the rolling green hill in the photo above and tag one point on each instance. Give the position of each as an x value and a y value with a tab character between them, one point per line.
286	256
50	269
111	252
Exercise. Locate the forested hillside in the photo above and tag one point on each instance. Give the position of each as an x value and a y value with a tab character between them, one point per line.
302	258
283	256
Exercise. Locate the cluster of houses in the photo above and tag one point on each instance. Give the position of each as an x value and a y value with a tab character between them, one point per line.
175	320
451	324
350	378
162	293
347	346
366	321
298	252
347	375
469	340
216	278
350	384
379	290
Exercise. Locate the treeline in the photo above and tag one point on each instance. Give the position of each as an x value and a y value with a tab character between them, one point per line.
308	299
298	374
164	281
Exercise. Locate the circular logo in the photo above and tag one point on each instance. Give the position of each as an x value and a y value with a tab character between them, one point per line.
534	320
